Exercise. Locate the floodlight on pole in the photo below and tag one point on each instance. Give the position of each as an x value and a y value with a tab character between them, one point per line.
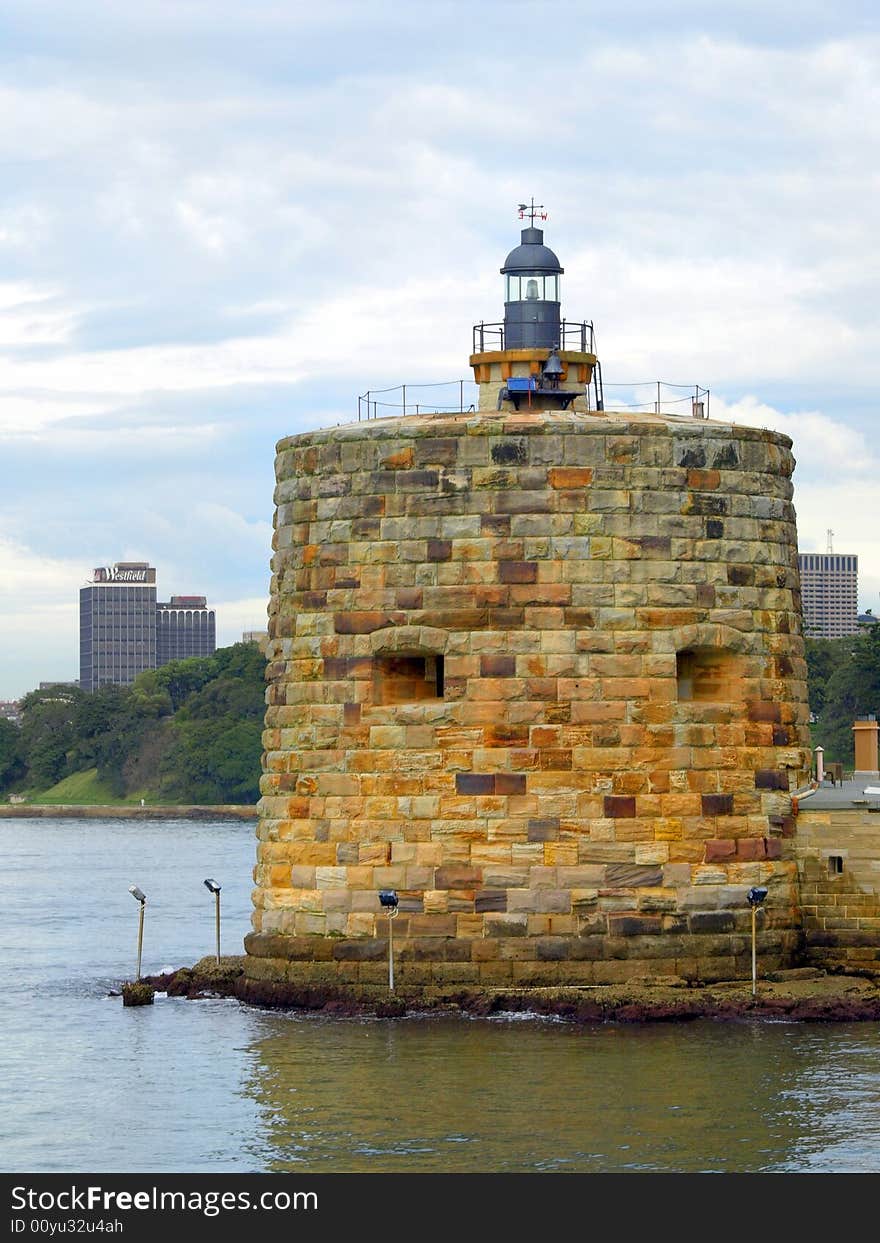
141	897
390	902
213	887
755	897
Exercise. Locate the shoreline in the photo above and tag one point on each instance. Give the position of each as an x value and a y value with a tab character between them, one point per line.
126	811
804	994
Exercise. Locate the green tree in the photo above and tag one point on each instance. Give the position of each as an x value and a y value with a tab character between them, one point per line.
824	657
852	691
48	733
214	751
178	679
241	660
213	762
190	729
12	766
109	725
226	697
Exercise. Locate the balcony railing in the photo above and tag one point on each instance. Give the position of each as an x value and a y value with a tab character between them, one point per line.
456	397
461	397
659	397
573	335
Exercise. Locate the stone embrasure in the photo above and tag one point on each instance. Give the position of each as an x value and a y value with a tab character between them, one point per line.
543	675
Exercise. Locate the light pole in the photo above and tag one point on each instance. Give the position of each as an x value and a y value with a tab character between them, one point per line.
142	898
755	897
214	888
389	901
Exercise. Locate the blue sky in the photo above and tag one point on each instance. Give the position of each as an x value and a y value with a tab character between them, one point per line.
220	222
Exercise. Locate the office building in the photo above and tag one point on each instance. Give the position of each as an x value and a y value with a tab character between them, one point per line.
829	592
117	625
185	626
123	630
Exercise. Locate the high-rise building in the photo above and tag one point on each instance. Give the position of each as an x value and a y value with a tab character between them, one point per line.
117	624
123	630
185	626
829	592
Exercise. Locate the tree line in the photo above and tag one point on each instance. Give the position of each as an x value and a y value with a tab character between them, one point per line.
189	731
843	677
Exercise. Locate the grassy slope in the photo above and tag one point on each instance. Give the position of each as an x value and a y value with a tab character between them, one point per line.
80	788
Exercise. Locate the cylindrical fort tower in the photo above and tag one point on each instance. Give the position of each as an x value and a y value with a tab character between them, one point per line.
539	670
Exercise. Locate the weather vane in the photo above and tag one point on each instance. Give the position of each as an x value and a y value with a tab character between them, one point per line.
533	210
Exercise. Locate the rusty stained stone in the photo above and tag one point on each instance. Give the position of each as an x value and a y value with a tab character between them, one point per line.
569	477
495	524
771	779
720	850
633	875
510	783
749	849
659	546
717	804
364	622
518	571
497	666
763	711
618	805
490	900
703	480
439	549
544	829
475	783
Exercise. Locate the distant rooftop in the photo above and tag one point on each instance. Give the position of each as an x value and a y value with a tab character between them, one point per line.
845	796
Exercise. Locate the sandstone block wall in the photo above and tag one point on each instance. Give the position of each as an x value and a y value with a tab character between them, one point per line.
840	908
605	613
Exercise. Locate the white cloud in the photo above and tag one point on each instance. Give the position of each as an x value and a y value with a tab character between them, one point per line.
835	483
38	618
31	316
234	617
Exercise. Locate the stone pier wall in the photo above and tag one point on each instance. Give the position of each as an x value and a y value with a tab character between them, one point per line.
543	675
839	865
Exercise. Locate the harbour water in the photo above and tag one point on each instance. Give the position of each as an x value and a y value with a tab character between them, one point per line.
214	1086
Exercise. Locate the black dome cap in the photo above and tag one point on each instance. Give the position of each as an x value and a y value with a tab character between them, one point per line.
532	255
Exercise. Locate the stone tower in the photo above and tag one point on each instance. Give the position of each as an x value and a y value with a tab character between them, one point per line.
537	668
